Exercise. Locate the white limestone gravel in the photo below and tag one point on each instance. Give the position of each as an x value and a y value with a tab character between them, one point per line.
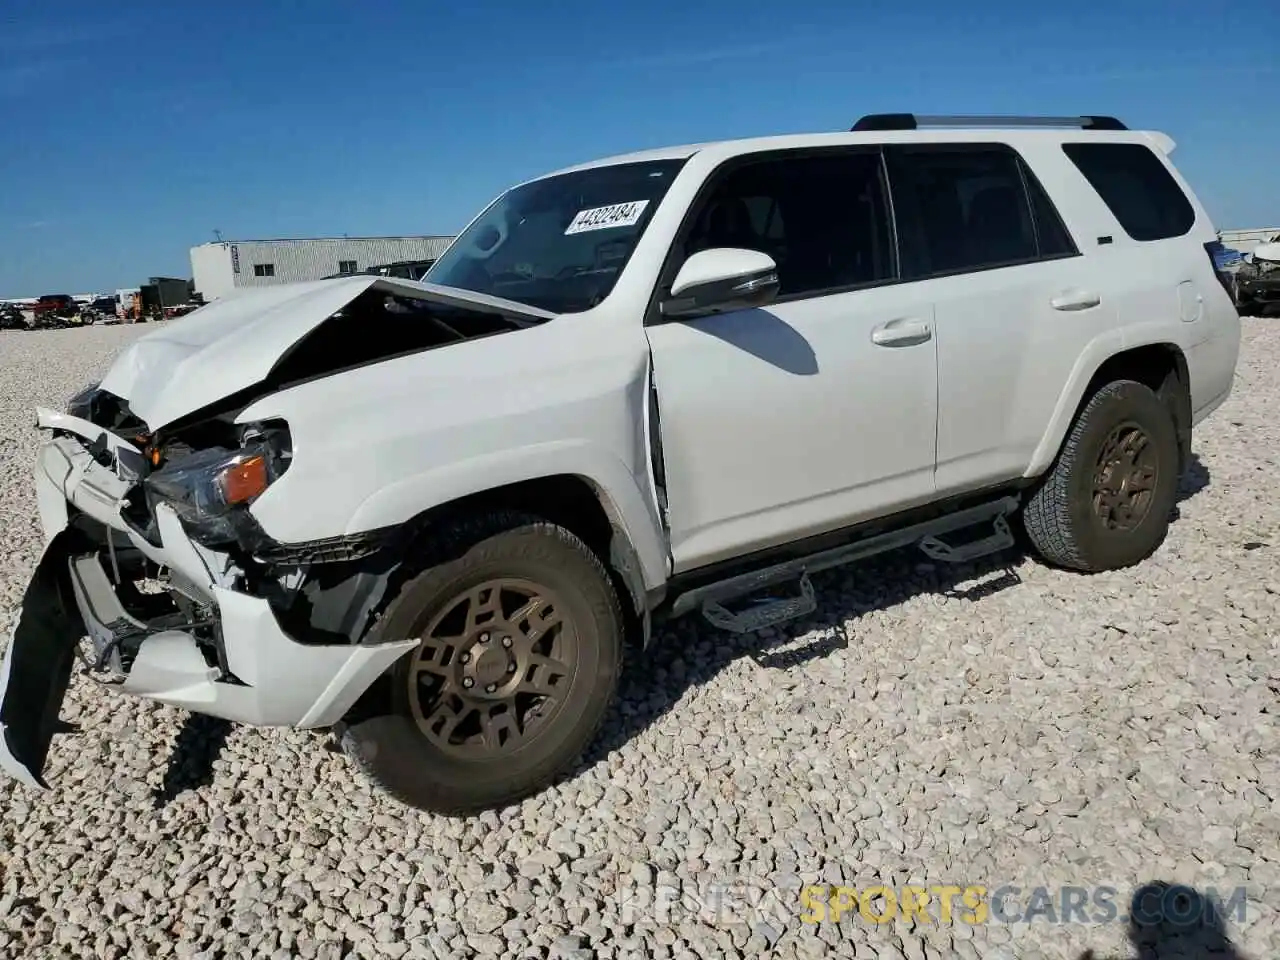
1047	729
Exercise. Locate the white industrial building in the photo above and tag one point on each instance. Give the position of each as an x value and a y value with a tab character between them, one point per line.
221	268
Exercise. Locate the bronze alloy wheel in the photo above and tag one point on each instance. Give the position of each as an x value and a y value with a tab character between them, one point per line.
1125	477
1107	499
518	645
493	668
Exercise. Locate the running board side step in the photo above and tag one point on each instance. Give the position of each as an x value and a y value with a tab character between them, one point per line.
770	610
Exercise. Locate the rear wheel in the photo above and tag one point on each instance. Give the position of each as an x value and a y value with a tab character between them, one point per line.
521	644
1107	500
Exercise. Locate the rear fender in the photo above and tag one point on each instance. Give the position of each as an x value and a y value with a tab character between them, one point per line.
1093	356
1099	351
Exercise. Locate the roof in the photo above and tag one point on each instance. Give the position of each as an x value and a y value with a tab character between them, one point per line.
1011	134
223	243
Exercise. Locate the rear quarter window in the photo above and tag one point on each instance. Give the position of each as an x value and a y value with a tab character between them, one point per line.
1136	186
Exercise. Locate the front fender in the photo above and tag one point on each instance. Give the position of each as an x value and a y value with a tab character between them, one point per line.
618	489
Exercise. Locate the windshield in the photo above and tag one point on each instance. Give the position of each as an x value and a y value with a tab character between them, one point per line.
559	243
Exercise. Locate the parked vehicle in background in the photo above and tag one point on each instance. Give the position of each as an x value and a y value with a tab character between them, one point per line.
434	515
12	318
51	305
1256	281
99	310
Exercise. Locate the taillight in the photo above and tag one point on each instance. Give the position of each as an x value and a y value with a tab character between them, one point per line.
1222	257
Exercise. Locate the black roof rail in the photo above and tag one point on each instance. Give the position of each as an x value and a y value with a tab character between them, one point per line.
910	121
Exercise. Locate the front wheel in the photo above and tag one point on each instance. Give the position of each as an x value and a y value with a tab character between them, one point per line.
1107	500
520	649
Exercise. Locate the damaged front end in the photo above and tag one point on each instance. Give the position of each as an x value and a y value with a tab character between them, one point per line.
181	596
1257	279
153	550
153	556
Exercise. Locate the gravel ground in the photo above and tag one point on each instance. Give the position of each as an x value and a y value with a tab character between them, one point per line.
1021	726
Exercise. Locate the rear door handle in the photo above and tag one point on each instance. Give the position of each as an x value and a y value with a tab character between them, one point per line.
901	333
1075	300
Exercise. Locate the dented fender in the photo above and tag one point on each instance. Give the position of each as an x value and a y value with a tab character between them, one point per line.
613	483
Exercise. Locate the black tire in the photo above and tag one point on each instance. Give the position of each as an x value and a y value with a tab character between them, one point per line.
393	747
1061	518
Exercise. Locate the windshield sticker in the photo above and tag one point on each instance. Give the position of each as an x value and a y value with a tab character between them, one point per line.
605	218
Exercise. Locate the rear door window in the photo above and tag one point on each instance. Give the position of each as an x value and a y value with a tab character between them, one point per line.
1052	238
960	208
1136	186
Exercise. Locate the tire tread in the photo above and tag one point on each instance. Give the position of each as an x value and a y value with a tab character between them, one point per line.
473	539
1046	515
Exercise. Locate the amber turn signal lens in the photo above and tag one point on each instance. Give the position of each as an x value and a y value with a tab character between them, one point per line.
245	480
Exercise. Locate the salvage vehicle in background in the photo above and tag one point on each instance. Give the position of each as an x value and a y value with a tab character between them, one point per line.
433	514
1256	281
54	310
101	310
12	318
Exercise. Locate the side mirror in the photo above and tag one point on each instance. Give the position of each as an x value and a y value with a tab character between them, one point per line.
720	279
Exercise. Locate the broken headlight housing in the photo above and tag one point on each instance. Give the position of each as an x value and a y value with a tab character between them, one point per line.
211	489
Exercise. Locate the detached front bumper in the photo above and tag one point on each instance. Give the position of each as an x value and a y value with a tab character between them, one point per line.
227	656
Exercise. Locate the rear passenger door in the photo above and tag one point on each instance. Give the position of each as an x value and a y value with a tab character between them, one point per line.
1014	304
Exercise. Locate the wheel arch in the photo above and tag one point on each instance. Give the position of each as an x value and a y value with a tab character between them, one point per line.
599	502
1159	364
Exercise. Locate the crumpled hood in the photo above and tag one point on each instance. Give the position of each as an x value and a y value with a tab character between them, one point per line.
233	343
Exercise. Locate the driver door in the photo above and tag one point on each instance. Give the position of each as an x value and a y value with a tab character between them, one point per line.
818	410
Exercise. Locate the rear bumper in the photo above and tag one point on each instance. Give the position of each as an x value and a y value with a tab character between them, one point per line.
229	659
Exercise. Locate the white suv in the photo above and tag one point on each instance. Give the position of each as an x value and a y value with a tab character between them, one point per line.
434	514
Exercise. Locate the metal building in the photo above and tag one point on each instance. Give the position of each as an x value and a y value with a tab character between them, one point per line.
221	268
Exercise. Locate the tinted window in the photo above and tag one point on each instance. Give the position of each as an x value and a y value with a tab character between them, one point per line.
1136	186
959	209
823	219
561	242
1052	238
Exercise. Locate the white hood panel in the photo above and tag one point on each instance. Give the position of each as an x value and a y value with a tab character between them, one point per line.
232	344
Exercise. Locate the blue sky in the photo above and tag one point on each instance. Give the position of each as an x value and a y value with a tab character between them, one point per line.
132	131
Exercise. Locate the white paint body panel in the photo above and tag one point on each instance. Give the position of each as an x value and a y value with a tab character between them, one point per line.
375	446
768	416
231	344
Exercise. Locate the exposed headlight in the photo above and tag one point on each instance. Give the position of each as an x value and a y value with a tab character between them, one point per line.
211	489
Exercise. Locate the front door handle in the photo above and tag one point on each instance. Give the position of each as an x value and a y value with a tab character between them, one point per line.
1075	300
901	333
